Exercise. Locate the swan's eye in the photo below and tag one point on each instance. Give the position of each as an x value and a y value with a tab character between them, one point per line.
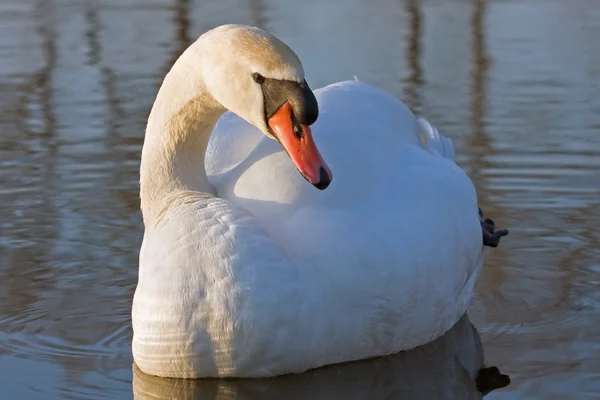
297	132
258	78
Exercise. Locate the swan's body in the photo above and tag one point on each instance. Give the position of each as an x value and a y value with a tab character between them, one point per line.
247	270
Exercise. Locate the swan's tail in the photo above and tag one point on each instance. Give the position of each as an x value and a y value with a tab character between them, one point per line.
434	141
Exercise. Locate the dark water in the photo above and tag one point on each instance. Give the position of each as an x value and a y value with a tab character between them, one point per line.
515	83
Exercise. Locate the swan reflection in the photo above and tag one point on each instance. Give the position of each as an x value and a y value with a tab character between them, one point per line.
451	367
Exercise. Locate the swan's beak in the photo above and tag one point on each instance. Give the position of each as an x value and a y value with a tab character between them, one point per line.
298	142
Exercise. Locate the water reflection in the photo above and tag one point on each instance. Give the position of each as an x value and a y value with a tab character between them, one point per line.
182	25
517	95
413	81
448	368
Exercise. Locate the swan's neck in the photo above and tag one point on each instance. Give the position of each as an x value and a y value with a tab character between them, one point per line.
179	126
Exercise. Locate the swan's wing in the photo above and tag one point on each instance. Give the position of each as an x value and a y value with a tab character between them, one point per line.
434	141
230	143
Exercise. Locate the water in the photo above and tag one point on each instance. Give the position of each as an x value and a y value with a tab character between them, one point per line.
514	83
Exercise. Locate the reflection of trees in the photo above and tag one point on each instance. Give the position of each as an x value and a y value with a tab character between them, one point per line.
479	144
91	18
59	285
181	22
27	276
257	13
412	84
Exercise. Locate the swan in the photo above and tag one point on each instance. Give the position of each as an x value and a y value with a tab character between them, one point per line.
255	261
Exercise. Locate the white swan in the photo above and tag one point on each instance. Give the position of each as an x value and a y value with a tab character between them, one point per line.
246	270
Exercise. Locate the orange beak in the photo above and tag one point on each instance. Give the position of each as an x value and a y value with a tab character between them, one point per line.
298	143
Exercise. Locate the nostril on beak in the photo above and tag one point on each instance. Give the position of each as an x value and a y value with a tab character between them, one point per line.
324	179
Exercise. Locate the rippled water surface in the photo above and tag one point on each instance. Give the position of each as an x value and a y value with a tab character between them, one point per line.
516	84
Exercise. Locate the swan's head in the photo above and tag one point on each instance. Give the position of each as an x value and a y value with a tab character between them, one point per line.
258	77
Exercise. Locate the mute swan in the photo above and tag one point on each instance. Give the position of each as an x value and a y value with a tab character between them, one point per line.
245	269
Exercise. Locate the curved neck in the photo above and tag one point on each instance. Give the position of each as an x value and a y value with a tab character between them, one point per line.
179	127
